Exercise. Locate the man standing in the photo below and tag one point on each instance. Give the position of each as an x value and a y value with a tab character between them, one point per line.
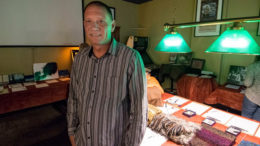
107	103
251	103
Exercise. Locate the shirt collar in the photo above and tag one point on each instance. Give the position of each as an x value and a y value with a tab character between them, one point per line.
112	49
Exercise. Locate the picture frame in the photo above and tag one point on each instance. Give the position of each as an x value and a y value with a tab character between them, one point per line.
208	10
180	58
197	63
113	11
236	75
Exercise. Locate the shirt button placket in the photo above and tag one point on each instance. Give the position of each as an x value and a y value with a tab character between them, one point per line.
91	101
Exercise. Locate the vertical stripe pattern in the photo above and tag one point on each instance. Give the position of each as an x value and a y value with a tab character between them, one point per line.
107	104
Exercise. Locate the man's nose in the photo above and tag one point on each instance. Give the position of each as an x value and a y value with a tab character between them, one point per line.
95	24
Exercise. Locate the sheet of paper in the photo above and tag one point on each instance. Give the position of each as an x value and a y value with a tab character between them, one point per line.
5	78
176	100
15	85
1	78
16	89
64	79
41	85
29	83
196	107
220	116
205	76
168	109
258	133
232	86
248	126
152	138
51	81
4	91
192	75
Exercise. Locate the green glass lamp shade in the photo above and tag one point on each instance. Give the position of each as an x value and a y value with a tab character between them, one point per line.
235	41
173	43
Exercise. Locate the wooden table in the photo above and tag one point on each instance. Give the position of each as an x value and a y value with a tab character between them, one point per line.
32	97
198	119
226	96
195	88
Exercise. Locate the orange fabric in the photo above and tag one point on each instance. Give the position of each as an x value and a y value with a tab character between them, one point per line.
153	82
199	119
226	96
154	91
154	96
195	88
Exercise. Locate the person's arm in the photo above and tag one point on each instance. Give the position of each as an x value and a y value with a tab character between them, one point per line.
72	115
249	76
138	101
72	141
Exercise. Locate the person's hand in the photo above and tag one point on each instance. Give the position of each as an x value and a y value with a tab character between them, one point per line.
72	140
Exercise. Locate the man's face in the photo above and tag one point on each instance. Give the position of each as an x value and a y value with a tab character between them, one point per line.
98	25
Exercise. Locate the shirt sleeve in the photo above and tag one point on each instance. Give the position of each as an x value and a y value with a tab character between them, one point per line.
249	76
138	101
72	115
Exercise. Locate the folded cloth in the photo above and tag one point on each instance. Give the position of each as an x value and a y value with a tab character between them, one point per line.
152	111
177	130
212	136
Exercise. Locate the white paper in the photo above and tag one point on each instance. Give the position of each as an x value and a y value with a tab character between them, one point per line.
258	133
64	79
196	107
248	126
232	86
29	83
220	116
4	91
1	78
18	89
15	85
205	76
192	75
152	138
41	85
176	100
51	81
168	109
5	78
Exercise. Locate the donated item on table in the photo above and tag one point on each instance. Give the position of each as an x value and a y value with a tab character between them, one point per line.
177	130
45	71
212	136
152	111
154	91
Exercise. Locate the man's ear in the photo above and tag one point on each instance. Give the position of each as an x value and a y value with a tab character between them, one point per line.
113	25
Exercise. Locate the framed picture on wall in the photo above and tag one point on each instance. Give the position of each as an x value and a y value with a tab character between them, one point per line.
208	10
113	11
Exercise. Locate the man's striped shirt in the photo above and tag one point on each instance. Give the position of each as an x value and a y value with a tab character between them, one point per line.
107	103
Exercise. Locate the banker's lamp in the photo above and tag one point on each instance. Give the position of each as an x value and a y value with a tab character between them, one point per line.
234	40
173	43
